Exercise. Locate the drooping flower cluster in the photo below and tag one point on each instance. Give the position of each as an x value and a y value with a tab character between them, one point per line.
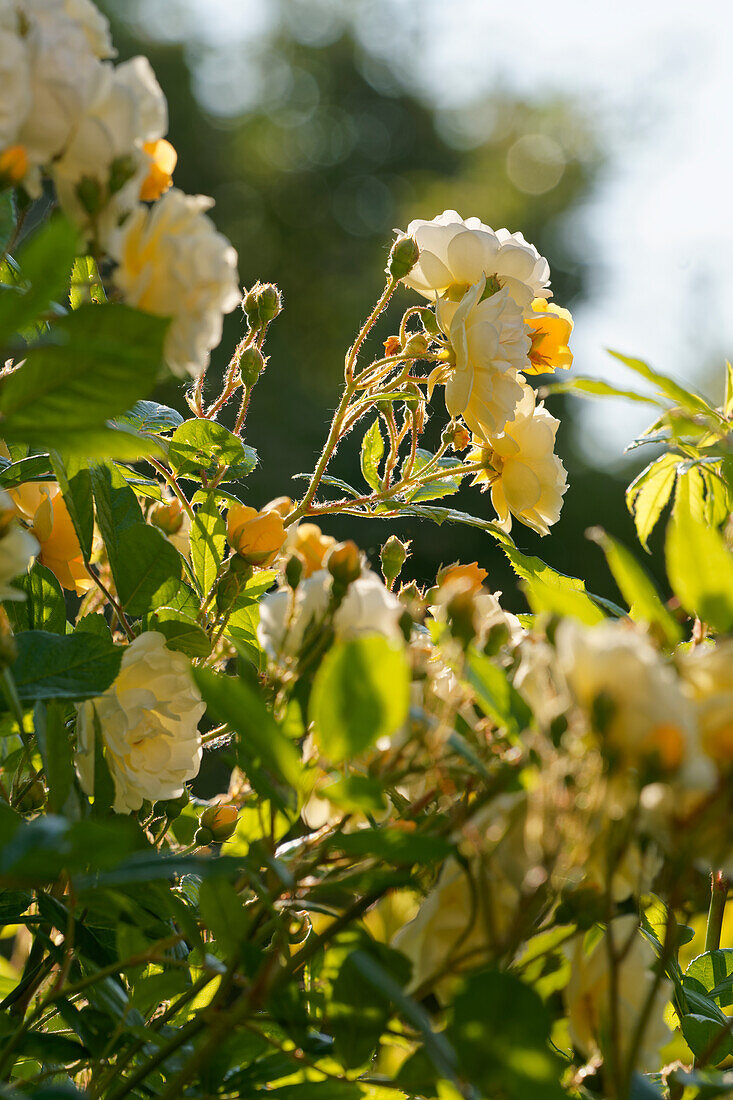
490	291
97	129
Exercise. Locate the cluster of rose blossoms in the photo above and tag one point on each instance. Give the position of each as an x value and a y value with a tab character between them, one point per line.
97	129
490	290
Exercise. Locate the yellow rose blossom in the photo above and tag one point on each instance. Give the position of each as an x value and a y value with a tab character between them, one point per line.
255	536
526	478
13	165
43	507
308	541
471	573
550	328
163	160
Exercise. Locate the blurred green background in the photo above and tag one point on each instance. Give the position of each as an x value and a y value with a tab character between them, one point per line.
315	146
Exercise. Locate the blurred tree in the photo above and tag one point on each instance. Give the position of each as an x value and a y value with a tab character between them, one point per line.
314	147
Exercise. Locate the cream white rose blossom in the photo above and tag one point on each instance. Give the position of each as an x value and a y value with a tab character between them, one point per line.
149	723
17	549
83	13
172	262
64	72
126	109
368	607
491	345
15	81
644	713
587	995
457	253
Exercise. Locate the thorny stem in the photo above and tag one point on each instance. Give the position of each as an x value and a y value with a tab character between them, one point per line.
353	352
171	480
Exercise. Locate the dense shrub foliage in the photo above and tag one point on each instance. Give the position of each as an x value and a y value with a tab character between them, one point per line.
462	853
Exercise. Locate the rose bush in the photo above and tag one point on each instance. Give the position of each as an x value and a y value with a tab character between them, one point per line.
455	851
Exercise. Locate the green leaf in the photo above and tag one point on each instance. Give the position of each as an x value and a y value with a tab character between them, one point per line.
442	486
637	588
236	703
75	482
648	494
361	692
372	451
116	504
707	1083
33	468
358	1007
44	607
699	565
594	387
355	793
223	913
204	447
93	365
45	263
86	285
500	1031
76	666
208	543
145	563
149	416
667	386
712	974
335	482
497	696
708	1031
180	632
55	745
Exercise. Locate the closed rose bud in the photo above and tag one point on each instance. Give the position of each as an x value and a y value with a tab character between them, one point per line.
89	194
251	306
293	571
416	345
461	610
344	562
221	821
393	555
270	302
251	364
174	807
167	517
403	257
203	837
32	799
255	536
